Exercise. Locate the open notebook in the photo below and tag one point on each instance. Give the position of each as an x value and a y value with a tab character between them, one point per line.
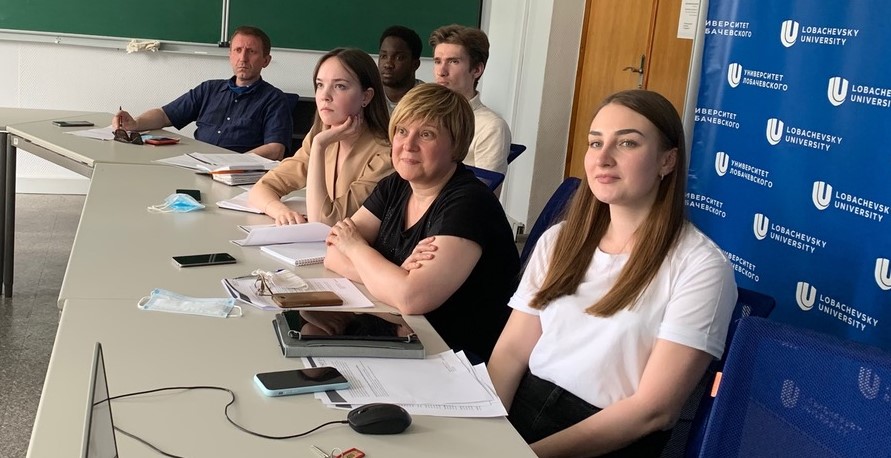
297	254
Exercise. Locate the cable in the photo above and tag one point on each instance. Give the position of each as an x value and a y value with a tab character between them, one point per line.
225	412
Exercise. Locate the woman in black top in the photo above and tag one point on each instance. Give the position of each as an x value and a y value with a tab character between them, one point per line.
432	239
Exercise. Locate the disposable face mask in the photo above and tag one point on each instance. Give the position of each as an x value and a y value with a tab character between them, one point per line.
163	300
177	203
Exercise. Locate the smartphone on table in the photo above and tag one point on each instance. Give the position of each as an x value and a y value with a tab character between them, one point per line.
73	123
210	259
306	299
153	140
299	381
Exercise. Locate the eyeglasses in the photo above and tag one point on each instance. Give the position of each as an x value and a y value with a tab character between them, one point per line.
262	284
121	135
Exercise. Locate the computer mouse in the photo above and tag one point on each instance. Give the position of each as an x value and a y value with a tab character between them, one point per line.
379	418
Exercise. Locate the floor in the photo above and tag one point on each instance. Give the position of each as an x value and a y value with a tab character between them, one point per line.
45	228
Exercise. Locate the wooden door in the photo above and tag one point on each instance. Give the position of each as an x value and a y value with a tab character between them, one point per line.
616	34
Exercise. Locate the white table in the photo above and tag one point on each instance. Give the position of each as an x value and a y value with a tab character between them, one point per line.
39	136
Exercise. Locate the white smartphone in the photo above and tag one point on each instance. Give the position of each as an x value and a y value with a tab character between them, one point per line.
299	381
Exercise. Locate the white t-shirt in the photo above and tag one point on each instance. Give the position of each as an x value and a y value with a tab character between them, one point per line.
601	360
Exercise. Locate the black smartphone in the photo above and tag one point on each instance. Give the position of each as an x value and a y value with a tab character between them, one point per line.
73	123
299	381
211	259
196	194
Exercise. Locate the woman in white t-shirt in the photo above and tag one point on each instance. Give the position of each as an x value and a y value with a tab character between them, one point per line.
621	307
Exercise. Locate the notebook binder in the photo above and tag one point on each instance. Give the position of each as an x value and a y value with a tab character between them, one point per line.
294	348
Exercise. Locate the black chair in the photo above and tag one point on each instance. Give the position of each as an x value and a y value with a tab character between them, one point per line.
515	150
788	391
550	215
686	439
303	113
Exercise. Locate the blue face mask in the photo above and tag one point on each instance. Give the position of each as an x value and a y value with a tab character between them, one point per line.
177	203
163	300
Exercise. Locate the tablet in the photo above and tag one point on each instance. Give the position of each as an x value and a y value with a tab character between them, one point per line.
347	325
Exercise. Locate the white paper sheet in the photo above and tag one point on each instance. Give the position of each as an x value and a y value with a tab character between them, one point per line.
438	379
243	289
240	203
99	133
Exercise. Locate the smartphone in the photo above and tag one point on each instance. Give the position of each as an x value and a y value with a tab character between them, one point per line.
306	299
195	193
210	259
73	123
161	141
299	381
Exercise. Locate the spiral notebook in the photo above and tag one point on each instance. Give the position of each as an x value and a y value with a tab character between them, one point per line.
298	253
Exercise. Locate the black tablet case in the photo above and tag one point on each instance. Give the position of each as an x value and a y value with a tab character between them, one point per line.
295	348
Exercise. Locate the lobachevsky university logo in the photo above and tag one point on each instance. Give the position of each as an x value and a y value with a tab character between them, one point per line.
883	273
805	295
774	131
734	74
722	161
822	195
760	226
869	382
789	32
837	90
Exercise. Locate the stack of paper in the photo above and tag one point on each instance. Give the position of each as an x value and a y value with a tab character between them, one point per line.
240	203
244	289
445	385
237	177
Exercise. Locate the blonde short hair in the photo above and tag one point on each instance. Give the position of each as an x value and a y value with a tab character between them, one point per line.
439	105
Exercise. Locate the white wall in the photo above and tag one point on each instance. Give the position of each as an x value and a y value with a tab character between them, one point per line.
534	52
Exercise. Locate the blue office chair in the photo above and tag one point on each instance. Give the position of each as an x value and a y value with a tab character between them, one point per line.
516	150
491	178
550	215
787	391
690	428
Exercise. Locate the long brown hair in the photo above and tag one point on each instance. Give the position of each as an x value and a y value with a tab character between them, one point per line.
588	219
375	115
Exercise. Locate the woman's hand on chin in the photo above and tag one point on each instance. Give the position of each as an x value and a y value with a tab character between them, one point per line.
351	127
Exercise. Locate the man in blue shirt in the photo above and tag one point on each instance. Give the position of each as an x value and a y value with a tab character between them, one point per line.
243	113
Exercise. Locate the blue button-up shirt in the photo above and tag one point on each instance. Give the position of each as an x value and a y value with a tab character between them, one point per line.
236	122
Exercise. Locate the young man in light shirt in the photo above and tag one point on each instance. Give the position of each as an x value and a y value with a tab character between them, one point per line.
459	59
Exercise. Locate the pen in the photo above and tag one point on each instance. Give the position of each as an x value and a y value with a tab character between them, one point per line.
120	124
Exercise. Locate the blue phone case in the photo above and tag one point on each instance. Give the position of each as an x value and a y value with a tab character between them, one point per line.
300	389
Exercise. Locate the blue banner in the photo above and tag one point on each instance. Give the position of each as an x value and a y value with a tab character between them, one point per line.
789	173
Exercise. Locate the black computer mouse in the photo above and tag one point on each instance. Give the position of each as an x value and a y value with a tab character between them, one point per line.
379	418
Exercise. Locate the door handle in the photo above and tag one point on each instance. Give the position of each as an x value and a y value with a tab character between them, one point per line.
639	70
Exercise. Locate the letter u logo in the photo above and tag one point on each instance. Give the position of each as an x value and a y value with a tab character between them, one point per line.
869	383
760	226
822	195
837	90
883	276
788	32
734	74
774	131
789	394
805	295
722	160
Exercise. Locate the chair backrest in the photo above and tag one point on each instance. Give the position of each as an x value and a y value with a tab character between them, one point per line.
303	113
698	407
788	391
491	178
515	150
550	215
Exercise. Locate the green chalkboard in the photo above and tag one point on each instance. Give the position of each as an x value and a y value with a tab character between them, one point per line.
296	24
327	24
195	21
